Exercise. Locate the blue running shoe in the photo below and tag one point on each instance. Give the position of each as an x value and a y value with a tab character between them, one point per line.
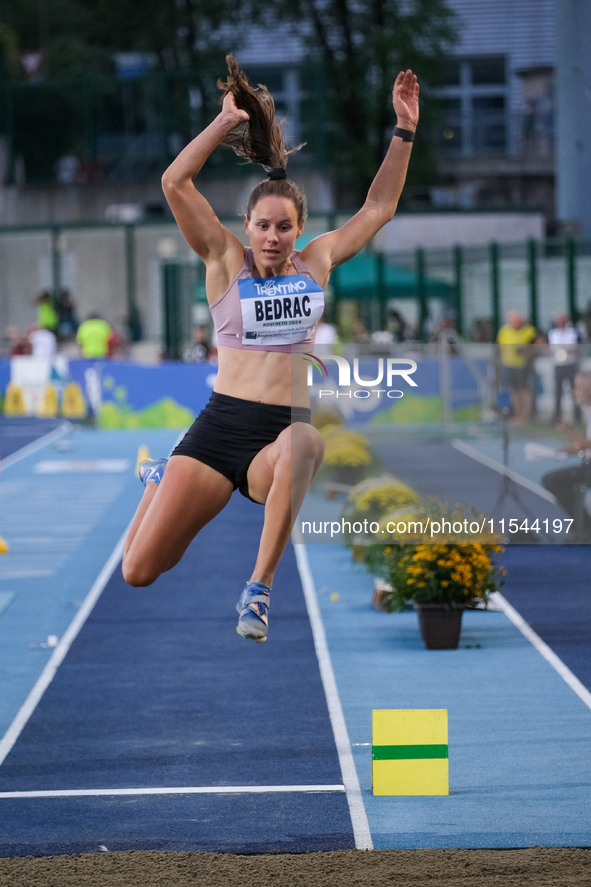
253	607
151	471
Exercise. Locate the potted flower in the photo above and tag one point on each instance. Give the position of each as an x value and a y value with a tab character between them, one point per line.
440	581
365	505
346	453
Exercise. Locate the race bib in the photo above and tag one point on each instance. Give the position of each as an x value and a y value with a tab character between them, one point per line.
279	310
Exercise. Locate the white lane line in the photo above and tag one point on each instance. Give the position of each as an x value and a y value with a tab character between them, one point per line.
501	469
84	466
543	648
359	821
60	651
184	790
38	444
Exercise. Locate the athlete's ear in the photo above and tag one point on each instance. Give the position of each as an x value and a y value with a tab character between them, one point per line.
246	221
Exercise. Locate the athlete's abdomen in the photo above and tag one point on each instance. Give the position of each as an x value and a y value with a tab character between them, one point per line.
264	376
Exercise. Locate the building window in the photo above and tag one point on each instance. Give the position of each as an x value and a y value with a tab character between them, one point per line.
471	107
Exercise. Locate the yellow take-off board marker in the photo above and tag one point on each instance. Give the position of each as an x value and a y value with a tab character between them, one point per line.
410	752
143	454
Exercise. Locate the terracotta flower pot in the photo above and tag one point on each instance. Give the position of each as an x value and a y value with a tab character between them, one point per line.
440	625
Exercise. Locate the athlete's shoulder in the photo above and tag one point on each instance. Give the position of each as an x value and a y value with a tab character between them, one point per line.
310	262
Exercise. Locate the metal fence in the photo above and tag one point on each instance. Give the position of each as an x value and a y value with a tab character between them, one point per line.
118	271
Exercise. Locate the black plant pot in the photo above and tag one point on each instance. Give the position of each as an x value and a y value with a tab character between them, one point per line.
440	625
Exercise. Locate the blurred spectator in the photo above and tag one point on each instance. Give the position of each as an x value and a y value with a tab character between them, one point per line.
43	342
47	316
563	340
568	483
482	330
66	169
396	325
514	338
89	172
18	342
359	332
445	331
117	345
200	349
326	334
93	337
67	323
383	339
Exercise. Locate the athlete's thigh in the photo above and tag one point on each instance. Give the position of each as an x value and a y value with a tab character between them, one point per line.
262	470
298	440
188	497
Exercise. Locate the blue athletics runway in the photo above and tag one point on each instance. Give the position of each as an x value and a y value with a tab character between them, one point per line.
198	739
159	728
17	433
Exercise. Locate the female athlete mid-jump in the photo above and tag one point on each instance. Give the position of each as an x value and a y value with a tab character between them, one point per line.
266	300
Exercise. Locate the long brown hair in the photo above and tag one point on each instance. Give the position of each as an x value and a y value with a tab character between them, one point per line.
260	138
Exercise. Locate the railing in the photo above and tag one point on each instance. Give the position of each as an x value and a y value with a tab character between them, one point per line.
116	269
496	133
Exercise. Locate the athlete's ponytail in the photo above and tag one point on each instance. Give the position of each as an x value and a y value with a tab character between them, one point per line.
260	139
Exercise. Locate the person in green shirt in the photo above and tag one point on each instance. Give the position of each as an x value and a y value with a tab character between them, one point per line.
93	337
47	316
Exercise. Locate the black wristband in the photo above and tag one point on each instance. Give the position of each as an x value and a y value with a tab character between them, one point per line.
407	135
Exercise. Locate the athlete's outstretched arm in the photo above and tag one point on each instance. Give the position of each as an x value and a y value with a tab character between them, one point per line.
334	248
195	217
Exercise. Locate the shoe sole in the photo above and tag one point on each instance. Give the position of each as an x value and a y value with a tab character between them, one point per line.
249	637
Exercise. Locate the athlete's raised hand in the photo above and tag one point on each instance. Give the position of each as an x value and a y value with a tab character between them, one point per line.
405	98
231	115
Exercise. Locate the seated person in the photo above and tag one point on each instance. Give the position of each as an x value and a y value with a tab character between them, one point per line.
562	484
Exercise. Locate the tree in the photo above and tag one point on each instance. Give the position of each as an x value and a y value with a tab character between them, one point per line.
80	41
81	37
362	44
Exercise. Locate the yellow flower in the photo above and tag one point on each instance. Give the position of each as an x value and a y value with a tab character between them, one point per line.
345	447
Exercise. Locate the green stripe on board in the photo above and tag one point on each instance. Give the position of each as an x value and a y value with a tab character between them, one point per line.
407	752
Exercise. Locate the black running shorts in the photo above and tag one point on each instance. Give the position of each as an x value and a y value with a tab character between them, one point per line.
229	432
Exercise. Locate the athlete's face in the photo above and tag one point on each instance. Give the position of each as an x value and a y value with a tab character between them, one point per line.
272	230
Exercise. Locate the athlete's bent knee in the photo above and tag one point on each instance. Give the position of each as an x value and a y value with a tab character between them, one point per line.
307	438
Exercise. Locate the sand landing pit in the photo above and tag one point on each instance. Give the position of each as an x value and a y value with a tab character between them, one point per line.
535	866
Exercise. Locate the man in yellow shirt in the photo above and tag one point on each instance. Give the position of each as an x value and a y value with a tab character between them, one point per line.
514	338
93	337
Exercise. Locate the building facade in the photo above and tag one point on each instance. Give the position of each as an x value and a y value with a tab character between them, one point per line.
495	132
